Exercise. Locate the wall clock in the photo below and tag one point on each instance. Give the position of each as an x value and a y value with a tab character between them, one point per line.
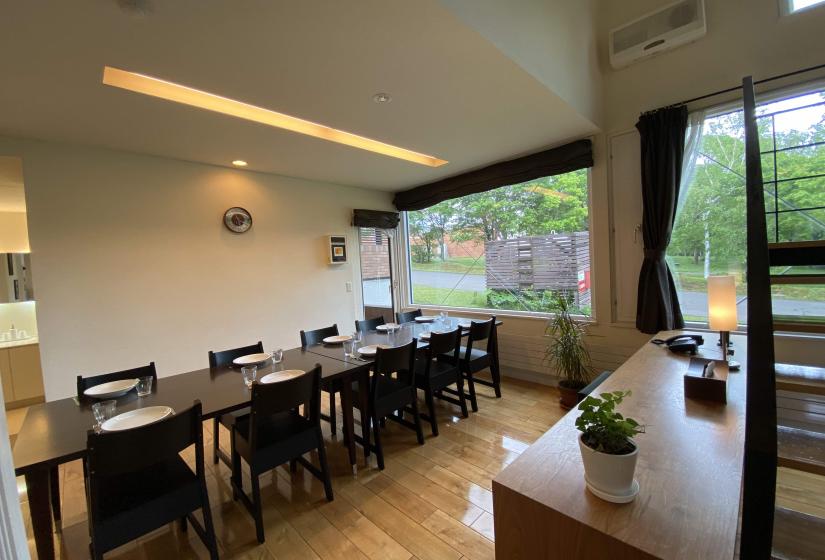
237	219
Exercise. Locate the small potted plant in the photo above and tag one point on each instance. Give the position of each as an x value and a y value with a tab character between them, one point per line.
608	451
567	353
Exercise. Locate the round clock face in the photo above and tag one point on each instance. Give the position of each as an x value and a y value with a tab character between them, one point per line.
237	219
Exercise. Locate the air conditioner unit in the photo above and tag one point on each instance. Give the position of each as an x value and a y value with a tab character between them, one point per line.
672	26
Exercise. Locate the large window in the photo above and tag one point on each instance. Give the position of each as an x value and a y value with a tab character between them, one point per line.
512	248
709	235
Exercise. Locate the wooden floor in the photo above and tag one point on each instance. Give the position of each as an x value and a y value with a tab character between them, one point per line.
431	502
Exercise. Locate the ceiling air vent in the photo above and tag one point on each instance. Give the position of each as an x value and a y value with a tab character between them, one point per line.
672	26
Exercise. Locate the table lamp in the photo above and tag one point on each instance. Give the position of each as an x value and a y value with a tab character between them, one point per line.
722	312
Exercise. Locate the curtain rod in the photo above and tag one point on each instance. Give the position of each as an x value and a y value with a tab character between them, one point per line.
737	88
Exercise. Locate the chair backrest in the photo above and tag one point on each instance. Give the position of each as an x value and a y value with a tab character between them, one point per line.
116	453
399	360
308	338
269	399
368	324
407	316
225	357
481	330
84	383
444	343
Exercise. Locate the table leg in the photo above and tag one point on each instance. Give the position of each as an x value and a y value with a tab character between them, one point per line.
54	492
37	488
349	422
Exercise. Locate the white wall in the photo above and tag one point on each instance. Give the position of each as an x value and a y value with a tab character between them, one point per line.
131	261
553	40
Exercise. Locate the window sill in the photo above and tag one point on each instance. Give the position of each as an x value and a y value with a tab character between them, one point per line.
500	313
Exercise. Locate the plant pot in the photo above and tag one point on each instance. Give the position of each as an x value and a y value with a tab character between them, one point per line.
610	477
569	395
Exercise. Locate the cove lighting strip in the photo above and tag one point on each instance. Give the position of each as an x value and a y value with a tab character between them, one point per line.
171	91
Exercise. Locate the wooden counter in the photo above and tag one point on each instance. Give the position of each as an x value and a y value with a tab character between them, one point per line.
689	471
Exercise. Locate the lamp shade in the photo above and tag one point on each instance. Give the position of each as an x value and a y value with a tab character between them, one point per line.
722	303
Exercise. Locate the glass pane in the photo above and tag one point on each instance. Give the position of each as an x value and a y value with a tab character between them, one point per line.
808	225
800	162
376	280
511	248
799	127
802	193
765	126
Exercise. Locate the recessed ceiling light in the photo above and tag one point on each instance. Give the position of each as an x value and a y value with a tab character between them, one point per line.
239	163
382	98
170	91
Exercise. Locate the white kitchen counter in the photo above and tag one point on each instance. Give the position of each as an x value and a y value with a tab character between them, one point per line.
16	343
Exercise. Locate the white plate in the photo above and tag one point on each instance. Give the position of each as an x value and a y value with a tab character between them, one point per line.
111	389
426	335
388	327
371	349
425	319
465	324
136	418
251	359
337	339
616	499
281	375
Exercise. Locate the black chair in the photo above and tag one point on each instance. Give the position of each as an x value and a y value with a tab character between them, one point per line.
436	376
369	324
136	482
308	338
391	389
222	359
84	383
407	316
275	433
473	359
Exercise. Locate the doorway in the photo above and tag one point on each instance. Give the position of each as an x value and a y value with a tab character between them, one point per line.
377	279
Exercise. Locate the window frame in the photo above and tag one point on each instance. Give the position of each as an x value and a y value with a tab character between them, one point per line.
787	328
786	7
405	299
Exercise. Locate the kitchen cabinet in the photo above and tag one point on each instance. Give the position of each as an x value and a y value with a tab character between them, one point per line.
22	375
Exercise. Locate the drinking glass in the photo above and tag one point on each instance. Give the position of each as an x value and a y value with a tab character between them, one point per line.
349	348
277	356
249	374
104	410
144	386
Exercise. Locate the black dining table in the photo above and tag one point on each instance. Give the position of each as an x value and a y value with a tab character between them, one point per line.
55	432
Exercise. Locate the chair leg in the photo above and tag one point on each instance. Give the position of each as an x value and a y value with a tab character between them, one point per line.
237	472
496	373
379	451
322	460
419	433
182	524
216	426
333	422
365	430
293	466
428	396
472	387
256	500
209	527
461	396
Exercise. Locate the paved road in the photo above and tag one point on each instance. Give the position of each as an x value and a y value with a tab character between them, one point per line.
693	303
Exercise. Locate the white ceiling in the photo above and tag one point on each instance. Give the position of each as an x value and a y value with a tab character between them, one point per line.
12	198
454	95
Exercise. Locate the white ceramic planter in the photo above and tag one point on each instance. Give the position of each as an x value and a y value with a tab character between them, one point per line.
610	476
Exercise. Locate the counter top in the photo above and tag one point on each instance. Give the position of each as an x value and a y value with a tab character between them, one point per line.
689	471
15	343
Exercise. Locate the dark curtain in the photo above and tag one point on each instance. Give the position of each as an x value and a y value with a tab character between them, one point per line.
375	219
663	146
563	159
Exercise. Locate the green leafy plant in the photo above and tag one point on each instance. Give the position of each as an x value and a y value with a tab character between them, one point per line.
604	429
567	353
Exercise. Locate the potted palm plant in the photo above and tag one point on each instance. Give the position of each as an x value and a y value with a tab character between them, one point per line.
567	352
608	451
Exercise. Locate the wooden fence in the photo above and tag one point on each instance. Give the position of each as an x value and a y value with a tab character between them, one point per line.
557	262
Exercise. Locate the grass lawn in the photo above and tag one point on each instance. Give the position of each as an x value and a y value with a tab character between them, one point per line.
439	296
691	278
455	264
